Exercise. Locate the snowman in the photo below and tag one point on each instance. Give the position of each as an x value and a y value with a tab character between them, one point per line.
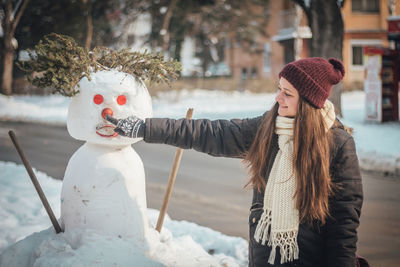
104	183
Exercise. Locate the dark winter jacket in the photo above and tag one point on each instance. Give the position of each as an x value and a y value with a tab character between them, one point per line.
333	244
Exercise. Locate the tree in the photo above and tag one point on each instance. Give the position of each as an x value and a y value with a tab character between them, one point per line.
210	22
89	23
83	20
326	23
12	16
235	21
165	25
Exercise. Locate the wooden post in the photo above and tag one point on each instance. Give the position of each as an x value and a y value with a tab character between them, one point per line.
171	180
35	183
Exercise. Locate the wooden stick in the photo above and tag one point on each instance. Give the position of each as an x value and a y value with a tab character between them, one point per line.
35	183
171	180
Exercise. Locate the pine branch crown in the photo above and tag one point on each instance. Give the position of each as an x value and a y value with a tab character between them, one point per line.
57	61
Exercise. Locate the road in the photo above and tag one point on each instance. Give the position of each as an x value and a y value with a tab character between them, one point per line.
209	191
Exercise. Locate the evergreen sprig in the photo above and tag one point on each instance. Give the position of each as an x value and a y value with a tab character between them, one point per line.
60	63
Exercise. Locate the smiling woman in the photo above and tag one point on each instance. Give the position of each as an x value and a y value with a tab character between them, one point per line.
307	193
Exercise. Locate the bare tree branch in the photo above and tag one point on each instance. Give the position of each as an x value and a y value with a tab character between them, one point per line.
19	15
87	4
165	25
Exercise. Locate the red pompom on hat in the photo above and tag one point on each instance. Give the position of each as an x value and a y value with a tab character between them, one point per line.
313	77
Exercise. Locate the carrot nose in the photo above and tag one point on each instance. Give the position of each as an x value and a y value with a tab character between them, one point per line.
107	111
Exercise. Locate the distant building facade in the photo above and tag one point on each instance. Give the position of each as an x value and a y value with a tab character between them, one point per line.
274	50
365	24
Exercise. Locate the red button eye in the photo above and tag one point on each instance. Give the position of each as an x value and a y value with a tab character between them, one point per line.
121	100
98	99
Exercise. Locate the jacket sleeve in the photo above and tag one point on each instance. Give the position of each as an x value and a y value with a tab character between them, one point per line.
345	207
228	138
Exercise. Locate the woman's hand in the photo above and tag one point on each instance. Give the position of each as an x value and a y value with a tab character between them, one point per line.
131	126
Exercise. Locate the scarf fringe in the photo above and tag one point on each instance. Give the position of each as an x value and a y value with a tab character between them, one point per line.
261	235
287	243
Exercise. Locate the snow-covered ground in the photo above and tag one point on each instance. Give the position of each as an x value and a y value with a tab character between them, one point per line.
21	214
377	143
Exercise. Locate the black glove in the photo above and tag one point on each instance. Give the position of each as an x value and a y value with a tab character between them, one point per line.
131	126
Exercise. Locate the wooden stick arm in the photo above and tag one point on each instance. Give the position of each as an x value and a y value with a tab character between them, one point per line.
171	180
35	183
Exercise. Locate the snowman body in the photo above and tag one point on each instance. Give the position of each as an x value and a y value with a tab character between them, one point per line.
104	189
104	183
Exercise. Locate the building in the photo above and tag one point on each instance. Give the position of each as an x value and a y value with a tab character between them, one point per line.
365	24
276	49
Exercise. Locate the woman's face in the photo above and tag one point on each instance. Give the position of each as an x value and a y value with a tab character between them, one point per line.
287	98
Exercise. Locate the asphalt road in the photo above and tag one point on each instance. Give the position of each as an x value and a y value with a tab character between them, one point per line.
209	191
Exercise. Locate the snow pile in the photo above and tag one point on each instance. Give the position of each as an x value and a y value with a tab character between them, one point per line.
21	213
75	248
48	109
85	247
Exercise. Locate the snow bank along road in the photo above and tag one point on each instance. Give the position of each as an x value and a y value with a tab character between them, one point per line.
209	191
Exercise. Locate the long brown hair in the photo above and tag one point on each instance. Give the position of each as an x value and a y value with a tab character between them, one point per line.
311	160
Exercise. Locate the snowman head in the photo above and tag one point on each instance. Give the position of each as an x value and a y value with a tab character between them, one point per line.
111	93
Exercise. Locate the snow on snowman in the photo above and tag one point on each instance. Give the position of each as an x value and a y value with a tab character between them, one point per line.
103	198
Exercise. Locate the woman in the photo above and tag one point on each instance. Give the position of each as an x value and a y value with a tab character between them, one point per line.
304	169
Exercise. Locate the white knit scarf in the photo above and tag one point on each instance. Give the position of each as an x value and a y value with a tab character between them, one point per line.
279	223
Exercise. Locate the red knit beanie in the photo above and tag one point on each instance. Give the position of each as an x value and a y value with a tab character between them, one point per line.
313	77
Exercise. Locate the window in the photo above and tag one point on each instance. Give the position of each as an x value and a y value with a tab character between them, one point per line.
288	47
244	74
357	51
368	6
254	72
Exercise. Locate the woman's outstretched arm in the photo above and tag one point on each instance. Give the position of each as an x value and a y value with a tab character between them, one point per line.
228	138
